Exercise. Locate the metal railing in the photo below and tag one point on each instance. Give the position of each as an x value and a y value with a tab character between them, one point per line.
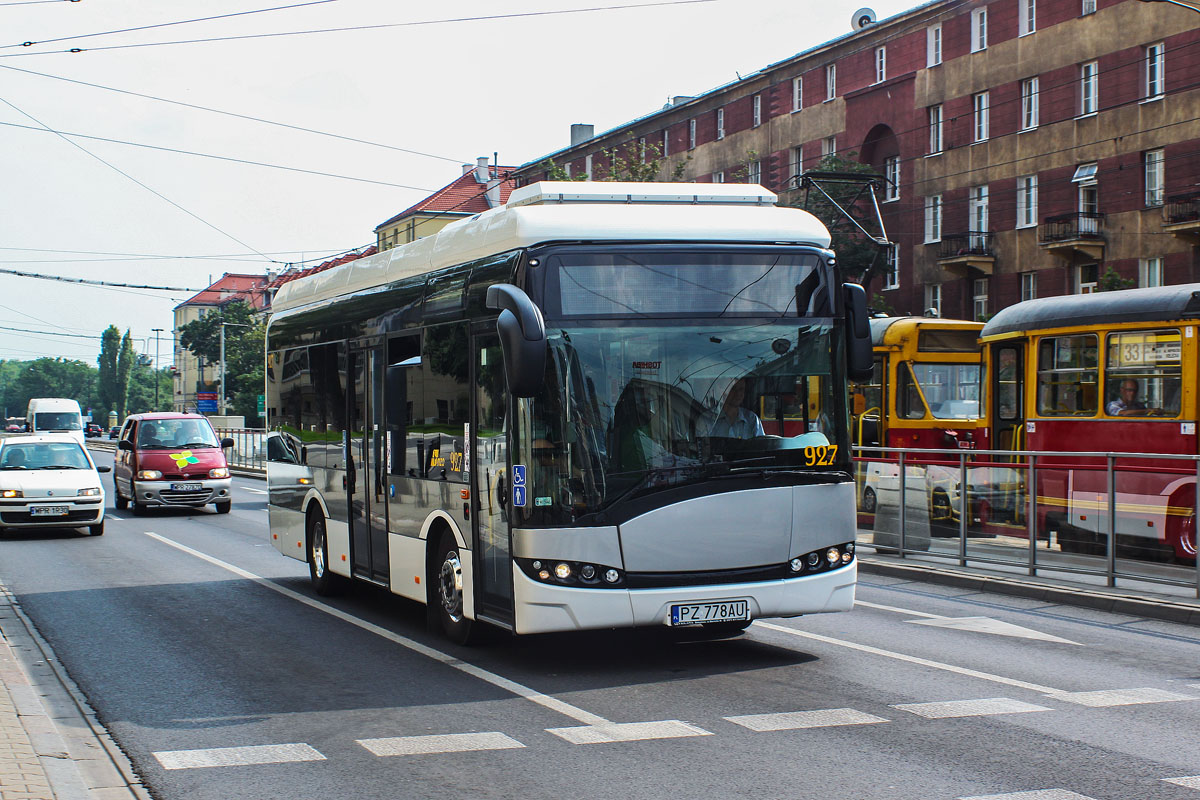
1120	517
1075	225
249	447
971	243
1182	208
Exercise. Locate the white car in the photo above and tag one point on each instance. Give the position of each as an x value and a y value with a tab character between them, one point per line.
50	481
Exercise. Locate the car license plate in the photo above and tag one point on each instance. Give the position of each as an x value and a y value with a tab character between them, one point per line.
716	611
49	511
186	487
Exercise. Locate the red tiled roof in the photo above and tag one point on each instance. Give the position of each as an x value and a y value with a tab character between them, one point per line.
462	196
230	287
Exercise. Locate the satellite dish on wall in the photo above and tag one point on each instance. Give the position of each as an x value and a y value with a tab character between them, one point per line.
862	18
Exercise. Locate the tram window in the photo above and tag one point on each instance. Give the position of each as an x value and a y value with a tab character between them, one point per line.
908	396
1143	374
1008	383
1067	376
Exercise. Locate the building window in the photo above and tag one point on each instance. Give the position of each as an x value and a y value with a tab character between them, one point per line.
754	172
933	218
891	275
797	165
980	102
1089	7
587	167
1027	187
880	64
666	148
797	94
1150	272
1089	88
720	124
757	110
1029	104
933	299
1089	198
1028	286
1027	11
1153	162
933	45
977	216
642	149
830	82
935	129
718	177
891	171
691	134
829	146
980	299
978	30
1155	65
1087	278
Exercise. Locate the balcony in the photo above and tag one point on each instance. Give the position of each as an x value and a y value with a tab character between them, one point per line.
961	252
1181	216
1077	233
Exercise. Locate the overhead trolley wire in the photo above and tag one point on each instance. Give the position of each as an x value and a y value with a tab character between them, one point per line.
379	26
90	282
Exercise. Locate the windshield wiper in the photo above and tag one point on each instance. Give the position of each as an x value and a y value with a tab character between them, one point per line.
198	444
57	466
14	466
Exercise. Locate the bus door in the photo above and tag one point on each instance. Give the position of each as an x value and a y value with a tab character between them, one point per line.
490	490
1008	395
365	482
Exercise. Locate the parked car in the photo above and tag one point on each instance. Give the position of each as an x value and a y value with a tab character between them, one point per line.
171	459
50	481
114	431
91	430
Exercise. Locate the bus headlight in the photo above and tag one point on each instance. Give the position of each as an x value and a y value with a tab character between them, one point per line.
562	571
572	573
796	564
833	555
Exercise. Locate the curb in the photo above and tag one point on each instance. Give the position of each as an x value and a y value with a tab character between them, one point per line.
80	759
1133	605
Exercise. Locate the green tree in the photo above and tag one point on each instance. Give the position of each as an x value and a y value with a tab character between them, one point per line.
125	361
141	388
632	161
860	258
107	388
1111	281
245	335
53	377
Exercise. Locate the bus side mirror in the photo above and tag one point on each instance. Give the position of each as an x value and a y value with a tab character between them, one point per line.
859	355
522	338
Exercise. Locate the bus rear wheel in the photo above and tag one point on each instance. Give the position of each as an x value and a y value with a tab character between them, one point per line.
446	586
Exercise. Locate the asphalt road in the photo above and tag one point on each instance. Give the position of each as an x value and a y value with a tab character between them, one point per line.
222	675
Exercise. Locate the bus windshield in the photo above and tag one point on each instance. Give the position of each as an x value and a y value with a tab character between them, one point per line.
635	409
950	390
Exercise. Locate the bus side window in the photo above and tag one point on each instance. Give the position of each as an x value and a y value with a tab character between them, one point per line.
403	360
443	394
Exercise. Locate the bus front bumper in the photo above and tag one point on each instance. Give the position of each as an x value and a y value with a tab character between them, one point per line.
543	608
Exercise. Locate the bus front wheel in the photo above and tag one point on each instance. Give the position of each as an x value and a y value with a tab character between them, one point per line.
446	584
324	582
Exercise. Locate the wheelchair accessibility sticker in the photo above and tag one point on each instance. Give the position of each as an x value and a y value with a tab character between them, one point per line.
518	487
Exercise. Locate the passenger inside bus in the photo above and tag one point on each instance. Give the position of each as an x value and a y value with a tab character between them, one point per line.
735	421
1126	403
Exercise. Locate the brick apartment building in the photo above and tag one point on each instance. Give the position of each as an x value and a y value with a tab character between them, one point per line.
1029	145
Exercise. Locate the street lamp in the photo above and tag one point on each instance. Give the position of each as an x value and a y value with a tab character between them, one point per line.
157	331
223	326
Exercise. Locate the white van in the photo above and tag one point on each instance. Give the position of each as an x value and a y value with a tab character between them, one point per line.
54	415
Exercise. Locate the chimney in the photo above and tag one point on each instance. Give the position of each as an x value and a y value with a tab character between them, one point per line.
581	132
680	99
481	169
468	169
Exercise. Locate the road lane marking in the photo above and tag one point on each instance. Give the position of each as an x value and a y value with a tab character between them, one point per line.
975	624
256	491
628	732
1122	697
969	708
439	743
797	720
547	702
1191	782
237	756
925	662
115	517
1040	794
993	626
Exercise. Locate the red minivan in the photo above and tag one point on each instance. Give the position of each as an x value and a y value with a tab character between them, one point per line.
169	459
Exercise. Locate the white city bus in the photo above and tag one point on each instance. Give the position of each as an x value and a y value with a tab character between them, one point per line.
523	419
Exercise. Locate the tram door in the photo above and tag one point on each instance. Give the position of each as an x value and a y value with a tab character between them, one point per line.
1008	395
365	482
490	490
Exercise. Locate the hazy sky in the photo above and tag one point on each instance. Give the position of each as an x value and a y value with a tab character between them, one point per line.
448	91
